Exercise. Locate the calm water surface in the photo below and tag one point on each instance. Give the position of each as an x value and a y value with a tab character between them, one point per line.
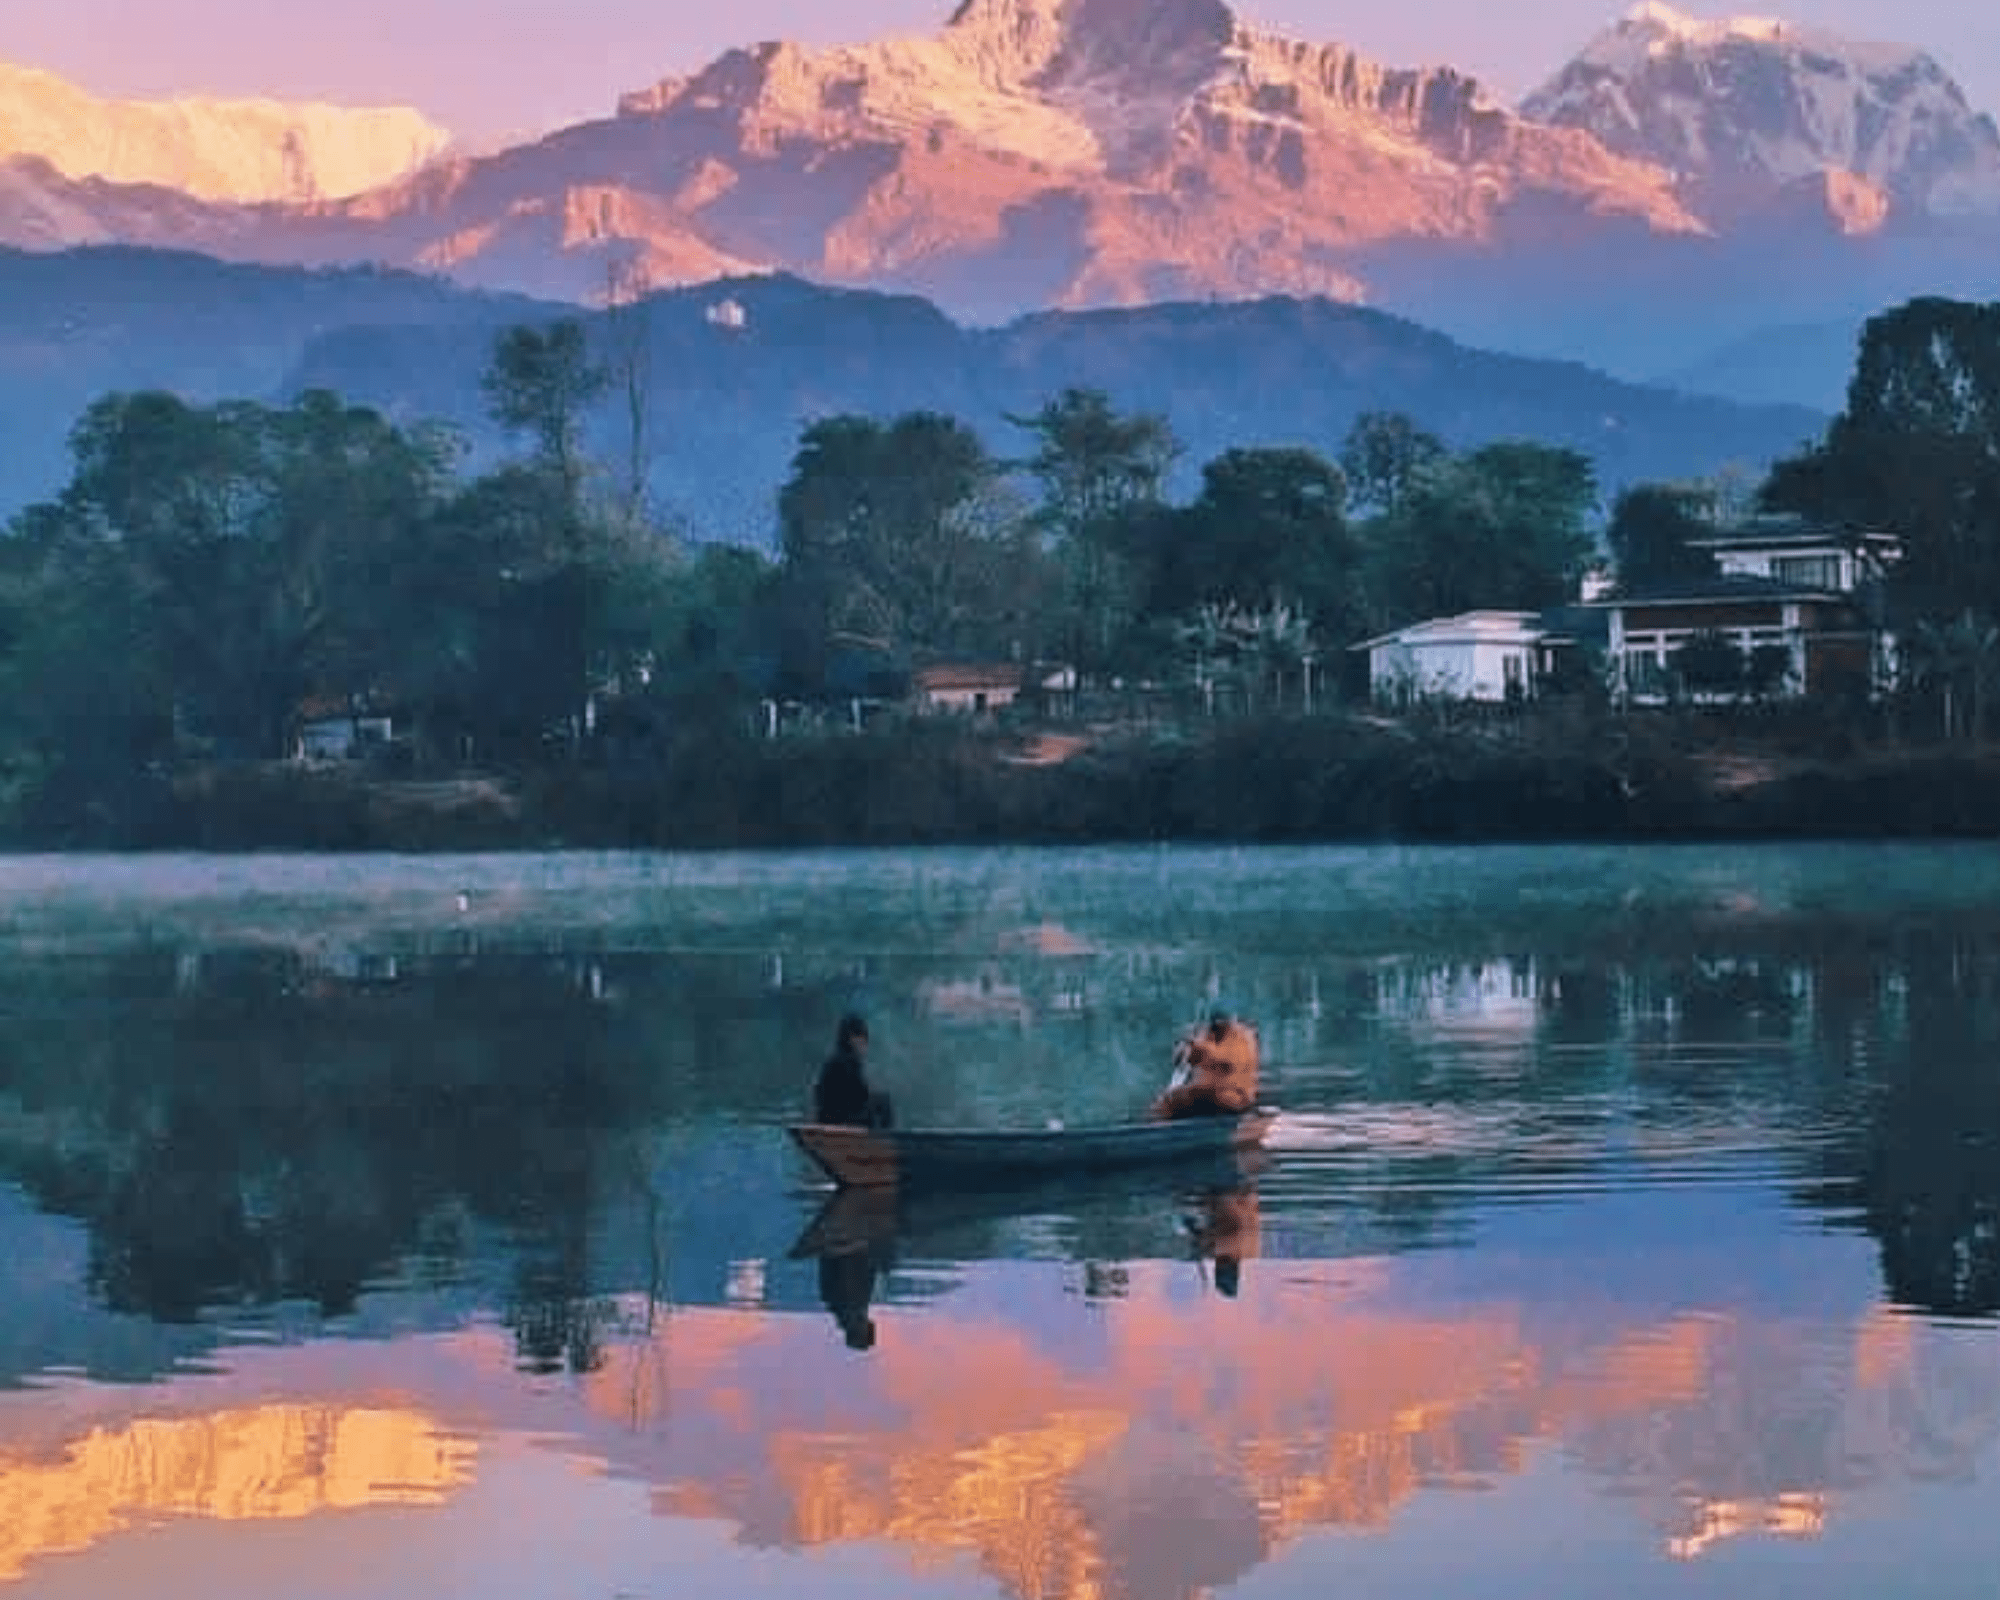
424	1228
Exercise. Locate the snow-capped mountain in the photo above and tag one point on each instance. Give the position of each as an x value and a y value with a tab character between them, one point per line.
215	150
1680	185
1743	108
1032	153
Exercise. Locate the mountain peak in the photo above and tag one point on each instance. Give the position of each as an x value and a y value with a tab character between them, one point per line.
211	149
1654	29
1657	17
1024	40
1742	108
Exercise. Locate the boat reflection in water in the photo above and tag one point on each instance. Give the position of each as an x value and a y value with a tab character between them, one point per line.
859	1235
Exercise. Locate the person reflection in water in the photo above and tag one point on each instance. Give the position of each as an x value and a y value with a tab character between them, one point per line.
842	1096
847	1288
1229	1231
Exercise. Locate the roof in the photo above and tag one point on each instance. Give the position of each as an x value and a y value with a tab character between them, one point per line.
1791	532
1468	627
341	707
1724	589
970	675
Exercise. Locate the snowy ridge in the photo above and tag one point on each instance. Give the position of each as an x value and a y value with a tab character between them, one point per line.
208	149
1116	87
1653	28
1742	108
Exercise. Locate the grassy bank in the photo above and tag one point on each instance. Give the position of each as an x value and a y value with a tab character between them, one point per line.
1555	777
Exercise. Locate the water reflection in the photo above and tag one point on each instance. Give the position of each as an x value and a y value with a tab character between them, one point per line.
249	1464
1167	1444
258	1137
1206	1212
1687	1225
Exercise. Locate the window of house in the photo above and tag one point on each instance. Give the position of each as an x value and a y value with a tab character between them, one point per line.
1645	673
1809	572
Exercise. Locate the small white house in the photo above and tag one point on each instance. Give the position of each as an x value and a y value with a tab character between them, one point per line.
1476	655
335	731
971	686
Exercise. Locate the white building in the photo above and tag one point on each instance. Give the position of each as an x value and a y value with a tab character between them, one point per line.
1476	655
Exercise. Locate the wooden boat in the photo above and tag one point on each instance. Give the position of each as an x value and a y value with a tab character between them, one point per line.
865	1157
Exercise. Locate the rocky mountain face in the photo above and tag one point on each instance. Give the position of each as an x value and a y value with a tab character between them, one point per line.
40	209
1751	109
1080	152
212	150
1032	153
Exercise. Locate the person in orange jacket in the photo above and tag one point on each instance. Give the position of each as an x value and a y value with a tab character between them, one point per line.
1217	1074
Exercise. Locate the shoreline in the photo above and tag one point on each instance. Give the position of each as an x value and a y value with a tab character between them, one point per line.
1326	781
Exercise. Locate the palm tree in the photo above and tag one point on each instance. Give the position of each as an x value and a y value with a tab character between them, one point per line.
1955	656
1273	640
1208	633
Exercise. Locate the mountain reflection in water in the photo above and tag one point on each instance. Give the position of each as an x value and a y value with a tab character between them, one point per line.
1669	1237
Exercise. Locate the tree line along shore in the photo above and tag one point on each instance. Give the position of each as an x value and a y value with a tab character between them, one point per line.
549	664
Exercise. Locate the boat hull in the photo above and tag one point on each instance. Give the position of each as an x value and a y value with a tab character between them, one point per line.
867	1158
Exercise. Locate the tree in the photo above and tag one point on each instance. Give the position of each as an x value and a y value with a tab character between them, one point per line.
1956	659
627	286
1916	450
542	382
503	655
1652	535
1385	457
267	539
351	498
1093	462
250	555
893	532
1505	526
1098	469
1268	525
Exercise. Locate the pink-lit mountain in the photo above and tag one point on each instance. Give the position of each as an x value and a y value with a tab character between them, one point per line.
1678	185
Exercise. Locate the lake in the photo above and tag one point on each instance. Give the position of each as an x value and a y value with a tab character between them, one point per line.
424	1226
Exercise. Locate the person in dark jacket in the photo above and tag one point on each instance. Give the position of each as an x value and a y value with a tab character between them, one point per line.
841	1095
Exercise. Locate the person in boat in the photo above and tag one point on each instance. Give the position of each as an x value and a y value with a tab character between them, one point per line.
842	1095
1217	1074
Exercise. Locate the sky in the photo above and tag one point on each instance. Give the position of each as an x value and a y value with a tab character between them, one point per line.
489	69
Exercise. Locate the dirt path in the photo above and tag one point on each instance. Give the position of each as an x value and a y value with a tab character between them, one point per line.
1048	750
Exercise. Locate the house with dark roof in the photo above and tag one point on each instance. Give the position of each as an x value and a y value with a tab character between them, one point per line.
1795	600
1822	556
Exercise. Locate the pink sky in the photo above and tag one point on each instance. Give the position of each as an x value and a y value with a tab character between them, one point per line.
490	67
